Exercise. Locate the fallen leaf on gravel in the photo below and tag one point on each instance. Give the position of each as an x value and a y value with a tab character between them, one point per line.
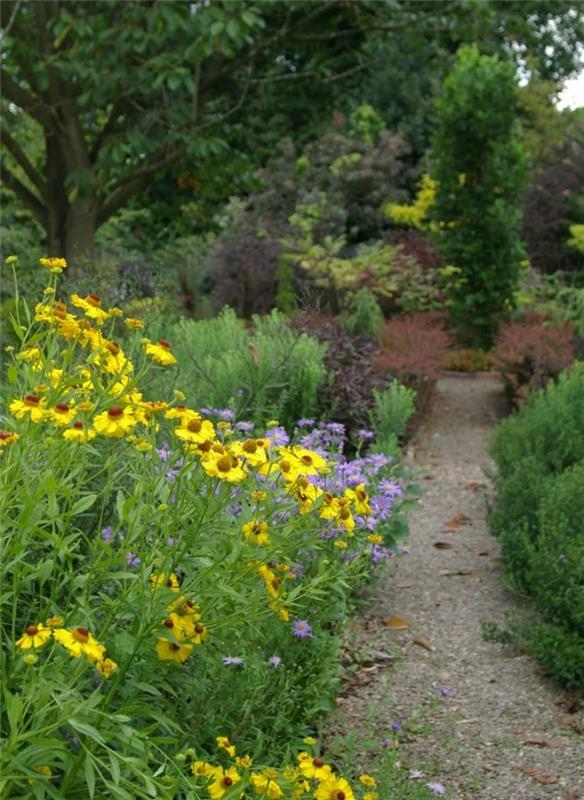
483	553
454	524
396	623
444	545
541	742
422	642
572	795
474	486
444	573
518	730
538	776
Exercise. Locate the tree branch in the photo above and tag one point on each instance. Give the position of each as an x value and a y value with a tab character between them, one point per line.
19	154
28	102
27	197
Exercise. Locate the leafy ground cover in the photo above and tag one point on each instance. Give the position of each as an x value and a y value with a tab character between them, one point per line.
175	583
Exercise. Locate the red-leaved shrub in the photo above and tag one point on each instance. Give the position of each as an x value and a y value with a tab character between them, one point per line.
528	354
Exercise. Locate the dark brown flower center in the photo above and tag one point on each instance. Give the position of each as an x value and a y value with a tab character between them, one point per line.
306	460
174	646
5	435
227	781
81	634
285	466
168	623
345	513
62	407
78	426
32	400
224	464
115	412
340	795
199	628
32	630
113	348
318	762
165	344
249	446
93	300
194	425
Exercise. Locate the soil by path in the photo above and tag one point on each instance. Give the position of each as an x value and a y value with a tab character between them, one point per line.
505	728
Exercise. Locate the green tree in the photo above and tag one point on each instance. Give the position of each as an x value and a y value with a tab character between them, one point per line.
481	169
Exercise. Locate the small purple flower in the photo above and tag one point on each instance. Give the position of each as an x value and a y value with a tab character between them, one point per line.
171	541
390	488
296	570
395	726
336	427
416	775
302	629
132	560
164	453
244	426
436	788
225	414
107	534
278	436
387	742
207	412
232	661
365	435
275	661
445	691
305	422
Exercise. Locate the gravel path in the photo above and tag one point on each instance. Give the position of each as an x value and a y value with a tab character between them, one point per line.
506	731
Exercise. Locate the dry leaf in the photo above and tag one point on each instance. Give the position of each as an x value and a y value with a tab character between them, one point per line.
542	742
422	642
454	524
444	545
518	730
538	776
444	573
483	552
475	486
396	623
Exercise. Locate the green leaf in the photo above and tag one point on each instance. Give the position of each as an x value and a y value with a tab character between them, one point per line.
89	774
83	504
86	729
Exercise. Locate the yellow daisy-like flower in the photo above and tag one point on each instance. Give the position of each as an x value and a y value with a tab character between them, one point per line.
135	324
34	636
271	580
225	744
31	405
107	667
79	433
224	466
162	579
91	306
160	352
256	532
79	641
306	462
259	495
306	493
314	768
199	634
224	780
360	499
8	437
375	538
55	265
244	761
116	422
173	651
203	770
193	429
333	788
55	622
367	780
265	785
62	414
339	510
309	740
33	355
254	451
371	796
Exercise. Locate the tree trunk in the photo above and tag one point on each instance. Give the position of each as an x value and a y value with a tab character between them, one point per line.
80	228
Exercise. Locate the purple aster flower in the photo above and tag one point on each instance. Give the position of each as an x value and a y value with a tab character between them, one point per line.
132	560
377	555
302	629
365	435
275	661
445	691
395	726
296	570
387	742
171	474
164	452
171	541
436	788
107	534
390	488
225	414
232	661
305	422
277	435
416	775
207	411
244	426
336	427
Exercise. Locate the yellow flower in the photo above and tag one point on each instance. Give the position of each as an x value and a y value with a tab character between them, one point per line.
163	579
224	466
55	265
309	740
202	769
107	667
305	462
136	324
55	622
360	499
33	355
79	433
225	744
224	779
62	414
173	651
375	538
91	306
11	259
271	580
252	450
31	405
256	532
8	437
193	429
371	796
244	761
79	641
160	352
30	658
339	510
116	422
34	636
43	770
367	780
266	786
258	495
179	395
333	788
199	634
341	544
306	493
314	768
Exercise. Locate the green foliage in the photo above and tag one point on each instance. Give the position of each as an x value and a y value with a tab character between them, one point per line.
415	215
266	372
538	518
480	166
365	315
365	124
577	237
394	407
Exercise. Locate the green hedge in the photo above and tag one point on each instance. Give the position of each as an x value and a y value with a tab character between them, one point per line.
539	519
